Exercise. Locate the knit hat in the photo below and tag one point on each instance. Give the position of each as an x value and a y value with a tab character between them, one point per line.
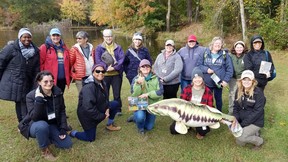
144	62
169	42
97	65
192	38
55	31
137	36
196	72
24	31
247	74
107	33
239	42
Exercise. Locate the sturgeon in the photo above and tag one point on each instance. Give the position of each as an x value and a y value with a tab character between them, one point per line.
186	114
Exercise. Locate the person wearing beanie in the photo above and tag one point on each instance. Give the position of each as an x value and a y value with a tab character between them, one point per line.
168	66
217	68
249	109
94	106
146	85
237	54
253	59
189	54
21	55
111	56
198	93
81	57
54	57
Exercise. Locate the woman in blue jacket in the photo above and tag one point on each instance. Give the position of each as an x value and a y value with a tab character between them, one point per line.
216	62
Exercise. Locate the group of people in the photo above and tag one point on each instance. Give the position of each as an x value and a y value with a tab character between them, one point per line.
36	78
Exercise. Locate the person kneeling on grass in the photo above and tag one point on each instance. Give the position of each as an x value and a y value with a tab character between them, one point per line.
249	109
146	85
94	106
46	118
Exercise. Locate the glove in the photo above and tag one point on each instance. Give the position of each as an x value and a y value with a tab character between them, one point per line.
62	132
38	93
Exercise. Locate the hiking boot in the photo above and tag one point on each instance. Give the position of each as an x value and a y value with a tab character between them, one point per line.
113	127
46	154
118	114
198	136
130	119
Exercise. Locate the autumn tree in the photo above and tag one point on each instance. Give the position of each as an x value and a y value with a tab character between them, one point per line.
74	10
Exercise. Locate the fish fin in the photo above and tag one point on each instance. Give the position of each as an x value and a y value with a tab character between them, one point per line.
181	128
214	110
215	126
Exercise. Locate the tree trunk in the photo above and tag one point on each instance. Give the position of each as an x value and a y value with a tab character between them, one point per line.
168	16
189	11
282	10
197	10
243	20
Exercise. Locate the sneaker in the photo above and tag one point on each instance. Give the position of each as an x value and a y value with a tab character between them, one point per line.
130	119
72	133
118	114
113	127
198	136
141	131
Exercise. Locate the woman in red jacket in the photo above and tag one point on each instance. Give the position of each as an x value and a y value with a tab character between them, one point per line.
54	57
197	93
81	59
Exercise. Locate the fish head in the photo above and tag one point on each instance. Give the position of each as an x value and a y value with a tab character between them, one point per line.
166	107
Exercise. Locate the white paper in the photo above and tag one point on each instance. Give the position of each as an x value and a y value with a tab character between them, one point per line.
215	78
265	67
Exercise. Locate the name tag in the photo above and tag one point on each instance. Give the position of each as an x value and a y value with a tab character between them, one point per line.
164	71
51	116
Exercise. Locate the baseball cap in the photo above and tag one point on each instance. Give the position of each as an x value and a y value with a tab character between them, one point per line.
169	42
192	38
144	62
247	74
55	31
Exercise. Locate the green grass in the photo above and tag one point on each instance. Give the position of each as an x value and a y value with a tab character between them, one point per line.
158	144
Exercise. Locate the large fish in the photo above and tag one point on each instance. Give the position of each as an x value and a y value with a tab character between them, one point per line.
186	114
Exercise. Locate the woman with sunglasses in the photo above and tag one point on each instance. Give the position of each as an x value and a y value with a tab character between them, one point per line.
148	86
54	57
81	59
249	110
94	106
46	118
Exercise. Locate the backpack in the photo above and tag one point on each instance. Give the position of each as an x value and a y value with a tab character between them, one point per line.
273	74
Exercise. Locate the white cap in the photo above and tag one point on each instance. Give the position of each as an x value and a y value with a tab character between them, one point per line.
107	33
170	42
247	74
137	36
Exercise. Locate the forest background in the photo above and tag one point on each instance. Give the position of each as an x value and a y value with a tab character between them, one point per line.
236	19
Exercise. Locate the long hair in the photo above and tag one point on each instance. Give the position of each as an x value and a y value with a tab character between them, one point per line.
245	50
242	91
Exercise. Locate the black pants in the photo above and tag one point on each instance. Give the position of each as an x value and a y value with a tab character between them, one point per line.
170	91
198	129
116	83
21	109
61	84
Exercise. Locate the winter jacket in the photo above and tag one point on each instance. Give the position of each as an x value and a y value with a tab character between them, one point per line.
252	61
92	105
190	58
250	110
153	87
119	56
207	97
222	67
80	65
37	110
238	66
131	63
168	69
49	61
17	75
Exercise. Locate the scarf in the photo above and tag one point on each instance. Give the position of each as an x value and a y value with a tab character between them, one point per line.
148	77
27	52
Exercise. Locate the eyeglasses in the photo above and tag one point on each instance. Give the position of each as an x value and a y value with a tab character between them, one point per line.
145	66
79	38
100	71
55	35
48	81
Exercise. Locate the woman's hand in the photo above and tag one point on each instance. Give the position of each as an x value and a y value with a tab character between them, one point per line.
110	68
38	92
107	113
224	84
140	80
210	71
62	134
145	95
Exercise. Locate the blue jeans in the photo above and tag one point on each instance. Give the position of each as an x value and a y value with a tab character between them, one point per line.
87	135
144	120
218	97
184	84
47	134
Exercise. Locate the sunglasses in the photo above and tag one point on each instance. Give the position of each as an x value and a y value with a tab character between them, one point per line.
48	81
145	66
100	71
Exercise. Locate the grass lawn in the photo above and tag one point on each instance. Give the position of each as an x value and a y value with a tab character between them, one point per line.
158	144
